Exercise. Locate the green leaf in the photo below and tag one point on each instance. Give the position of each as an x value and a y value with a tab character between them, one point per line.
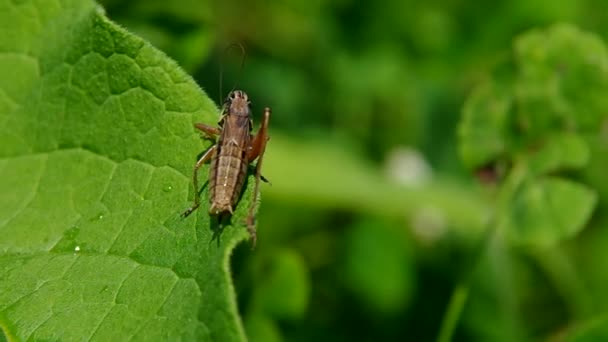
595	330
545	210
562	79
262	329
284	288
378	268
560	85
95	166
483	130
595	172
531	119
560	151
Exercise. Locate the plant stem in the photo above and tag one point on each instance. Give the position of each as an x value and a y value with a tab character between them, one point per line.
452	315
460	294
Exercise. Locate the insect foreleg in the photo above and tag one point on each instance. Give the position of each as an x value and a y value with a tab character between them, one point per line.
210	132
205	158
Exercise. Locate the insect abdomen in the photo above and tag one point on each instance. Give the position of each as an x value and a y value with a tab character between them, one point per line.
226	179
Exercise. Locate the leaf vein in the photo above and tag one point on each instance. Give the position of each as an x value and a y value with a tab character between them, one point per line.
32	196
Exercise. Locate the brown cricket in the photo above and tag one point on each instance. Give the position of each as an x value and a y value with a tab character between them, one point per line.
235	148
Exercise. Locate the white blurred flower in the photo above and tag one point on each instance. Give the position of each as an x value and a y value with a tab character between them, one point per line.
407	166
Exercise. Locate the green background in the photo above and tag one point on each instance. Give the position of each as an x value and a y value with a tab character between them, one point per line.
438	170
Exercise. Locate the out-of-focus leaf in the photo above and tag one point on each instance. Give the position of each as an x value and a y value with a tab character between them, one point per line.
378	268
261	328
535	122
483	130
190	49
559	151
562	79
548	209
560	84
593	331
284	285
185	11
595	172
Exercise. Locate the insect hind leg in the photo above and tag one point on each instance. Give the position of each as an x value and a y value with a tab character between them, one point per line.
257	151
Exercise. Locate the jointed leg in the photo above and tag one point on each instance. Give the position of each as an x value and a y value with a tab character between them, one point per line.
258	143
205	158
210	132
258	147
262	178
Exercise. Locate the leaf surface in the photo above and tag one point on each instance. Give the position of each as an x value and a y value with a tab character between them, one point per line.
96	152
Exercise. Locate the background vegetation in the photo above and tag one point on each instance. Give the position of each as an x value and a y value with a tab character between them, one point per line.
437	168
376	212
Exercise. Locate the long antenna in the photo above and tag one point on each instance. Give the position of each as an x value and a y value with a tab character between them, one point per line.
225	53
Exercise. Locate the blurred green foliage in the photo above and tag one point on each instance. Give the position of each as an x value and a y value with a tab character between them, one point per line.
534	121
354	245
